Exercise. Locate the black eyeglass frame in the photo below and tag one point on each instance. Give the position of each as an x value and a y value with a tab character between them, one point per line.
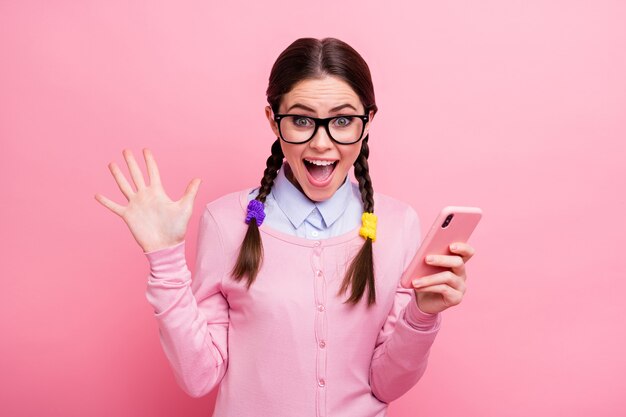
323	122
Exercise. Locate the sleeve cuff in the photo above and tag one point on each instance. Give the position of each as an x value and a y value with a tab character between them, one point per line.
167	262
418	319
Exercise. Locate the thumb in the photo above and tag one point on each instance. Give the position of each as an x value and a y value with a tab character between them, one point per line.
191	191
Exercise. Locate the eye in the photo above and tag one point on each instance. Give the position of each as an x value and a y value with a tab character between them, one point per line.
343	121
301	121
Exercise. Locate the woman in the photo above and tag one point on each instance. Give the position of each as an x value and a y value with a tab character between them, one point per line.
295	307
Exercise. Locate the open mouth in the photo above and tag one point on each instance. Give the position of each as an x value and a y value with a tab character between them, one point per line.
320	171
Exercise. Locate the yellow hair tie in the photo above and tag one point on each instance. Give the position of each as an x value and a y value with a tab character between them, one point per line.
368	229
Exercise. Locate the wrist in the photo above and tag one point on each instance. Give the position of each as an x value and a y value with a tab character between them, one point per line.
156	248
418	318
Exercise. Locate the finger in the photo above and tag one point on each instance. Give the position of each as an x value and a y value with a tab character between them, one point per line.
120	179
114	207
463	249
455	262
135	172
450	295
191	191
153	170
445	277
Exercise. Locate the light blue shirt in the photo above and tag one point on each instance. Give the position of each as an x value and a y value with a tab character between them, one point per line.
290	211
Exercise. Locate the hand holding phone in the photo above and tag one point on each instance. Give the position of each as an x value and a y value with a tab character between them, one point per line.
453	224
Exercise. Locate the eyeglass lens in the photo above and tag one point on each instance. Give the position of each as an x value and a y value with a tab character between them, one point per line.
343	129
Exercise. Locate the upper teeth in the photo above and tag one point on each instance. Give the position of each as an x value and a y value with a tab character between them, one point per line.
321	163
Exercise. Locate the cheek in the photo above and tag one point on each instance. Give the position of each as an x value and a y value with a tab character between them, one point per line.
350	157
292	153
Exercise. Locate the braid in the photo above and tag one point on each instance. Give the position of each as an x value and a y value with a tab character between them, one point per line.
360	274
361	172
273	164
251	251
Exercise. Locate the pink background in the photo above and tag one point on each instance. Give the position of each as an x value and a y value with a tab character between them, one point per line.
515	106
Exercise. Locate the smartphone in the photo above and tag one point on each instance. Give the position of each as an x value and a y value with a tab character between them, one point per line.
454	224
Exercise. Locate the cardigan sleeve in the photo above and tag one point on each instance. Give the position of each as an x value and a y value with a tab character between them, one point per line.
403	345
192	315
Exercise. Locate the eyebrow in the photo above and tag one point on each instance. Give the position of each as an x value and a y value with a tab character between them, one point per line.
334	109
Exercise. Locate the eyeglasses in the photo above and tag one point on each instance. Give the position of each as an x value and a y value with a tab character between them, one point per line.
344	130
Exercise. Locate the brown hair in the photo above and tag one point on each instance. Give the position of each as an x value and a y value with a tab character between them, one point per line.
308	58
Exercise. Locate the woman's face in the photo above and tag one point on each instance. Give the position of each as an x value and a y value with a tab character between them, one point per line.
326	97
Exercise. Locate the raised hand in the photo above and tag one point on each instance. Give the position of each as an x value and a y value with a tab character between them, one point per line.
155	220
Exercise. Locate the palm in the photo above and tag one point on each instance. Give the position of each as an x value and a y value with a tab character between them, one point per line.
430	302
154	219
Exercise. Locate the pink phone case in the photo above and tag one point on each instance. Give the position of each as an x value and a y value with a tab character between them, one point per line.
454	224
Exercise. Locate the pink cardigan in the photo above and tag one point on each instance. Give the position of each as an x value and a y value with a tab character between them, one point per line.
289	346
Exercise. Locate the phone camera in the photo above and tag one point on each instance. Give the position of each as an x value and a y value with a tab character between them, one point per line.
447	221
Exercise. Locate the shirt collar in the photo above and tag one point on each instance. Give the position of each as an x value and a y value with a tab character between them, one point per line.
297	206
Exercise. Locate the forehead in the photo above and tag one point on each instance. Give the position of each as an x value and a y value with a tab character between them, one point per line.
321	94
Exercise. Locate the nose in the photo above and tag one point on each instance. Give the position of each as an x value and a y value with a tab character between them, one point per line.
321	141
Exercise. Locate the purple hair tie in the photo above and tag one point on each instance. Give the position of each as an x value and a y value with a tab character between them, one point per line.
255	210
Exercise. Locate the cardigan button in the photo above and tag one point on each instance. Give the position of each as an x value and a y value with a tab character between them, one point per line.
322	344
320	307
321	382
317	243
